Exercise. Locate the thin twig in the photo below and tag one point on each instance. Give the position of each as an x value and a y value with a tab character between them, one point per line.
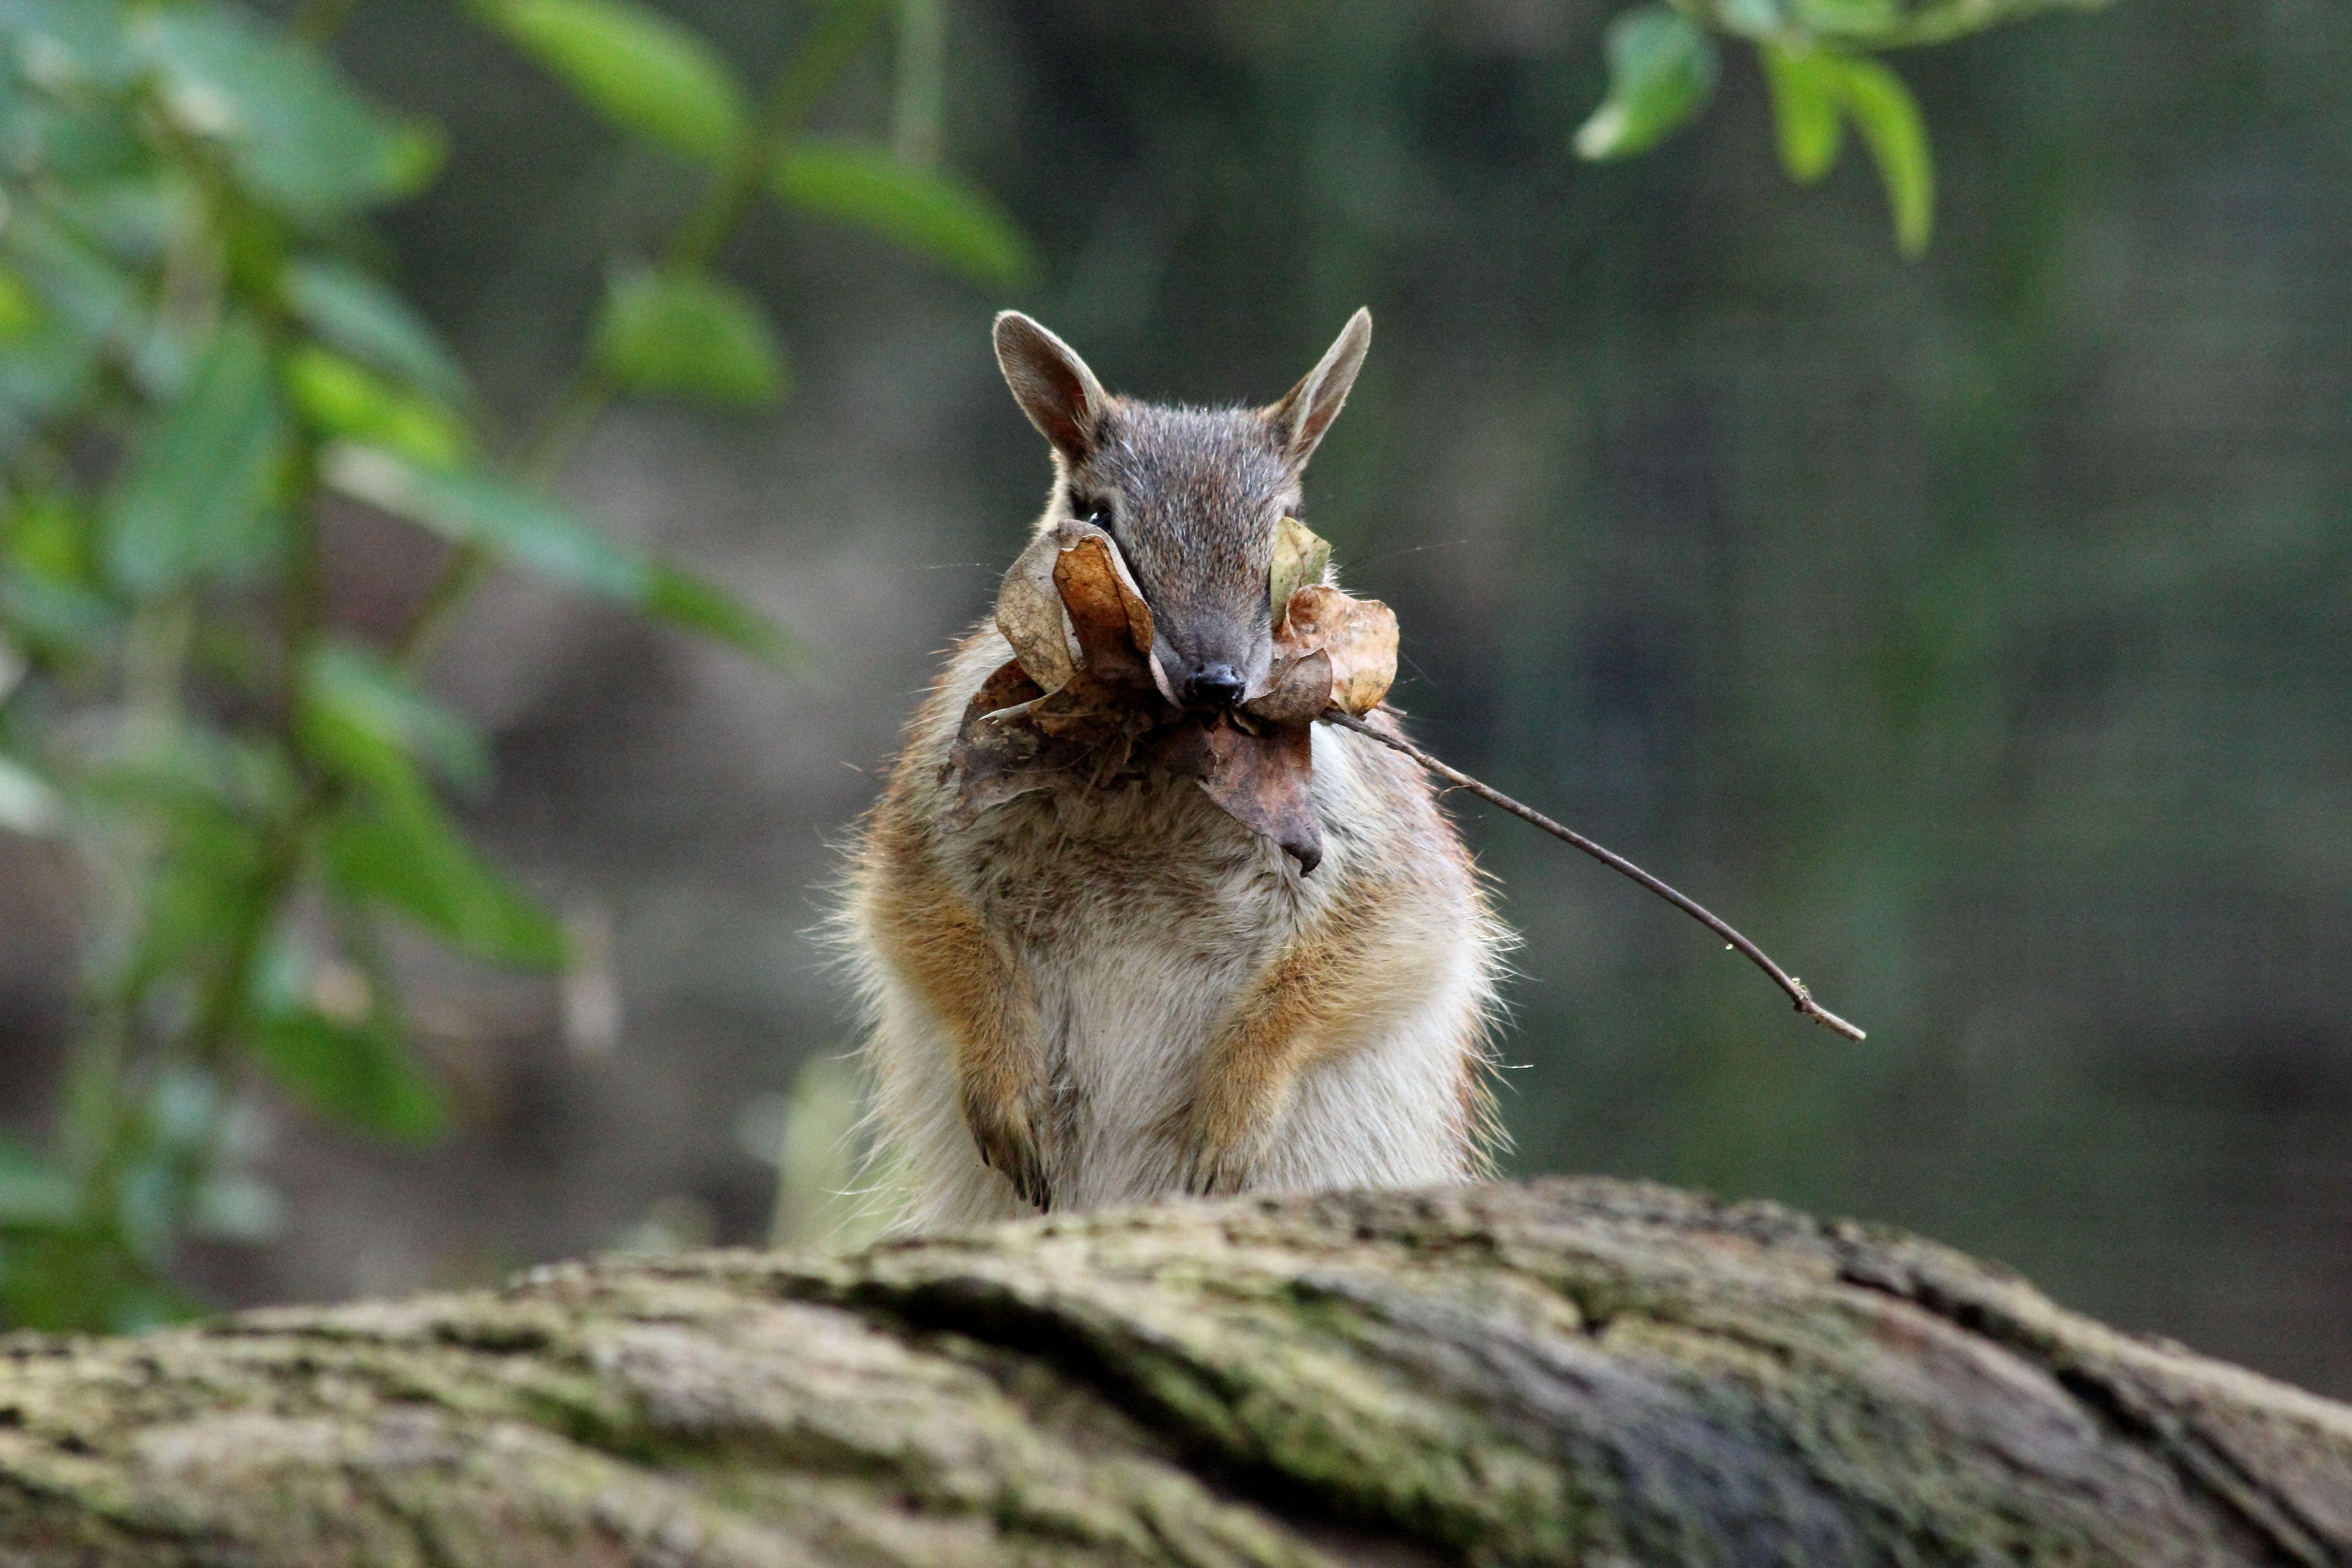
1614	861
783	110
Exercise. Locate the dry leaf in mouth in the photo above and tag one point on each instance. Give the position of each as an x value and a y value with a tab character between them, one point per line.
1009	687
1080	689
1298	690
1266	782
1069	603
1029	612
1300	558
1083	736
1355	638
1107	611
1083	703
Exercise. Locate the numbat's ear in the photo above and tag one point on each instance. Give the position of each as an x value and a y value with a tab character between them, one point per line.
1052	384
1309	408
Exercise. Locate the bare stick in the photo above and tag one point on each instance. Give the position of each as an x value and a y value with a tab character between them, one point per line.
1614	861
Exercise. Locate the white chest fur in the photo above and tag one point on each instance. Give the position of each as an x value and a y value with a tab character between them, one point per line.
1139	917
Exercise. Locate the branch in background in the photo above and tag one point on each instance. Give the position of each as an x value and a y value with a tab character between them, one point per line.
573	411
785	109
1563	1372
1614	861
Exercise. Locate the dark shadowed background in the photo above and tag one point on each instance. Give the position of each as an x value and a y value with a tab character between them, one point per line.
1973	632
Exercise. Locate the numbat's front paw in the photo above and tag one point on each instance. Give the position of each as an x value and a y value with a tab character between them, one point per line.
1009	1137
1217	1161
1210	1173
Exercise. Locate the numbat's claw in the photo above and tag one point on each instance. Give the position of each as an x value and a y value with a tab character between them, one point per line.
1007	1138
1216	1168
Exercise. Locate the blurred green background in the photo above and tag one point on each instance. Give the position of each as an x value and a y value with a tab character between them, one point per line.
1970	631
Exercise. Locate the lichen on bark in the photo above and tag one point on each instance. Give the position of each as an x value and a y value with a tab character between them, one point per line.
1567	1372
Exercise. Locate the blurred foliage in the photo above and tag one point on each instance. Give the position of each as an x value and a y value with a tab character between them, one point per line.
1817	55
201	357
814	1136
1973	631
197	362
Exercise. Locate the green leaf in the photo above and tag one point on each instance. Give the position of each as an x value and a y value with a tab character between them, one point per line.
1662	67
491	514
352	686
517	525
1750	18
354	312
83	137
32	1191
1889	119
48	607
20	313
639	68
67	44
689	603
43	373
79	1278
1858	19
393	844
295	134
207	878
200	477
337	397
27	804
135	219
690	334
1805	108
58	618
84	289
49	536
359	1074
930	213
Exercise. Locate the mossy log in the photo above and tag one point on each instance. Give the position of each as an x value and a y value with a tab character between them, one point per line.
1569	1372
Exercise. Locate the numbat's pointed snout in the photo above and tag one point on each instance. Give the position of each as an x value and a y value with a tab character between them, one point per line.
1214	686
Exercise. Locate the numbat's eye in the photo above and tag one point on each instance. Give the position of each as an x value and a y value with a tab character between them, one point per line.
1091	508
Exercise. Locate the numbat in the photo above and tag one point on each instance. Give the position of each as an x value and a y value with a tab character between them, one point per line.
1130	923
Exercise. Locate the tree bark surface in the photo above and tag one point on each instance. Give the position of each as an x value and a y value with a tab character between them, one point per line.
1567	1372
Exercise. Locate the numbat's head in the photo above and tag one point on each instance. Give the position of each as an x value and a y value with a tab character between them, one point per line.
1192	495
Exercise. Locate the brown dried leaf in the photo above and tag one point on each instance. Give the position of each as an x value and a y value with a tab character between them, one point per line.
1360	636
1029	612
998	757
1265	783
1083	735
1300	558
1092	712
1075	708
1009	687
1107	612
1297	692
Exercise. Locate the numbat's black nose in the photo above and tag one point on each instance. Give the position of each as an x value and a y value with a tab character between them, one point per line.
1213	686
